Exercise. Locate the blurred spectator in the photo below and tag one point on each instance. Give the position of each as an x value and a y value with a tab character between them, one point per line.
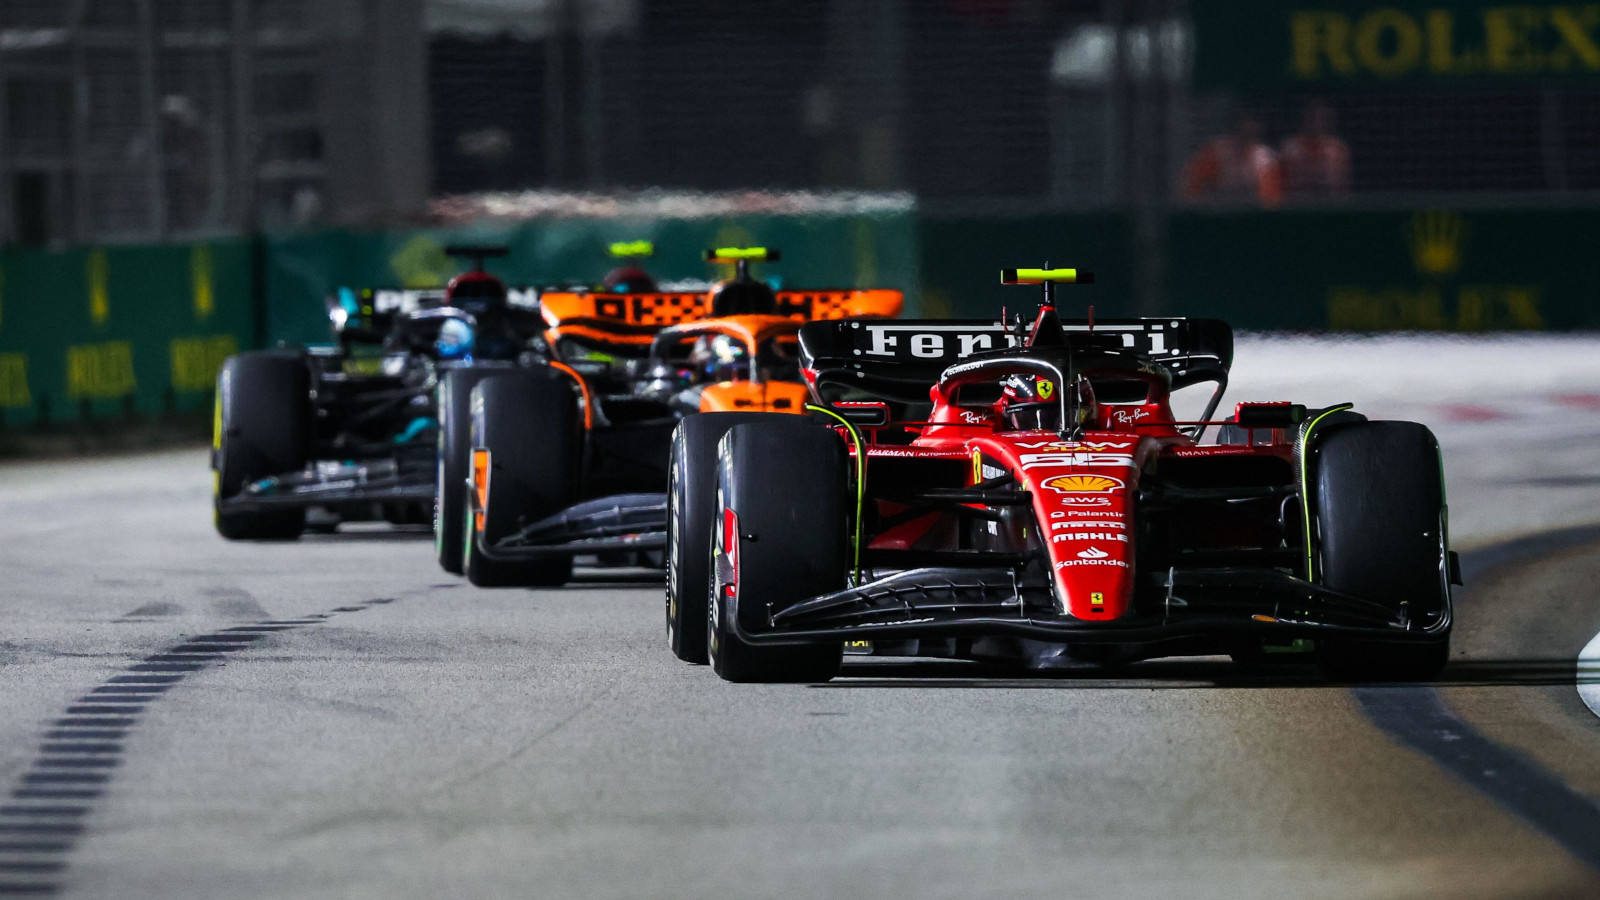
1237	167
1316	162
186	157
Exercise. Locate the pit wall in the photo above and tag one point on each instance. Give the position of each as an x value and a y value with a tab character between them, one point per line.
136	333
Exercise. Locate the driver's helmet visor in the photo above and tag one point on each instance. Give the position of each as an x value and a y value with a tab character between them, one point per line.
1034	402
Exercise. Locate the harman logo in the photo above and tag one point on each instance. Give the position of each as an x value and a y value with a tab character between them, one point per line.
1436	242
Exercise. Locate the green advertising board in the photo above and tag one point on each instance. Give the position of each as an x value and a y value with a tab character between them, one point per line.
1425	270
818	251
1269	44
110	332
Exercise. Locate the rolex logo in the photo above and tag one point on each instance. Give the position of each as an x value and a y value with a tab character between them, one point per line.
1436	242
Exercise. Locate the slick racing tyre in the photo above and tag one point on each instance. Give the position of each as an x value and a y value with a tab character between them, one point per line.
1378	512
455	462
691	508
527	423
780	528
262	429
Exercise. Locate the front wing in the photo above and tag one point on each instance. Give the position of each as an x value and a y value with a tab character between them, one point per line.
931	603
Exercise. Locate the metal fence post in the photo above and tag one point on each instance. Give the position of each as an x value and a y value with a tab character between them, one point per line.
155	164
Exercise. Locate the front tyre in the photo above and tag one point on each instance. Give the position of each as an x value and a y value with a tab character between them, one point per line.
527	423
262	429
1379	513
691	507
779	536
455	463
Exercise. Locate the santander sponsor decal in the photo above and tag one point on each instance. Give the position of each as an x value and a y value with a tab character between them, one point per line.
1092	556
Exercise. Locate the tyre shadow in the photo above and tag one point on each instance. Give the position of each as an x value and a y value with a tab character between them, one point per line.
1184	674
370	534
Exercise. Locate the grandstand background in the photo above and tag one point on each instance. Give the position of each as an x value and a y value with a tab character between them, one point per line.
164	120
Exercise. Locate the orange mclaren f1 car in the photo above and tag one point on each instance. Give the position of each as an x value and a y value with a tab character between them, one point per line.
569	458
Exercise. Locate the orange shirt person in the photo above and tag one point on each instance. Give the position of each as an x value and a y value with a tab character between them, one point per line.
1316	162
1237	167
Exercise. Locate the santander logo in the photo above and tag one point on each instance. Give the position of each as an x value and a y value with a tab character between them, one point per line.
1092	556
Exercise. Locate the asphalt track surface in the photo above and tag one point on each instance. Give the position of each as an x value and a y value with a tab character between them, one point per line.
372	728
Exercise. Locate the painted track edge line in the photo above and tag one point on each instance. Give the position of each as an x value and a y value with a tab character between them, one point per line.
1418	717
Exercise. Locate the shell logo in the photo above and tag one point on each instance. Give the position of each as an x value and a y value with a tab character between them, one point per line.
1084	484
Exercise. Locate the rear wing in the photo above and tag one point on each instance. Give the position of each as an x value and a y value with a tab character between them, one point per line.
840	304
634	319
368	315
901	360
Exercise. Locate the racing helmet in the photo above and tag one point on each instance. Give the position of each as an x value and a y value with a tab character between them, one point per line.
628	279
1033	403
478	294
743	297
719	357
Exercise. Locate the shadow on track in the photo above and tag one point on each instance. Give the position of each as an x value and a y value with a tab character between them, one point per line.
1183	674
625	578
371	535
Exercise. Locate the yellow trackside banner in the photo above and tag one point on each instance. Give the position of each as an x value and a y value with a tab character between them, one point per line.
1253	44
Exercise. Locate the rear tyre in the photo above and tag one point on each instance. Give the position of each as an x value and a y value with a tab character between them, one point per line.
262	429
784	480
528	422
1379	514
455	463
691	509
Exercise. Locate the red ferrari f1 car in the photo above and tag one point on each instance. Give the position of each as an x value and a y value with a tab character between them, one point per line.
1024	493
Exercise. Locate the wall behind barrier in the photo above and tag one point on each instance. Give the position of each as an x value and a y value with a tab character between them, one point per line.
962	259
120	332
1412	270
139	331
818	251
1307	270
